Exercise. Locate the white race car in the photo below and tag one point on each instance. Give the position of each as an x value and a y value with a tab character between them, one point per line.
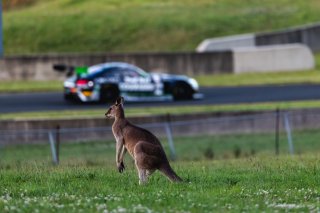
105	82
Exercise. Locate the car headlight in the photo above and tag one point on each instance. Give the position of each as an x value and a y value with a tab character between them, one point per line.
193	83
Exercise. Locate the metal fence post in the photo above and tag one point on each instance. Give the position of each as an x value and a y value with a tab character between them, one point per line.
288	130
58	142
170	138
277	131
53	149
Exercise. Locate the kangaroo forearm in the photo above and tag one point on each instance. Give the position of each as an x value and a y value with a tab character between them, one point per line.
123	152
118	152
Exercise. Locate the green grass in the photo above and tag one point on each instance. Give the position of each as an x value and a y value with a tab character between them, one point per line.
250	185
141	25
87	179
30	86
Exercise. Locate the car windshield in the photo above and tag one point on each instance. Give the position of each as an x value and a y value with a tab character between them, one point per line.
141	72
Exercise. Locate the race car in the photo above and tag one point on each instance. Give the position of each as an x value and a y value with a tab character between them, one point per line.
105	82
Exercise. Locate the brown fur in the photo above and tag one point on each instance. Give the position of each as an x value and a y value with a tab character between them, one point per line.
143	146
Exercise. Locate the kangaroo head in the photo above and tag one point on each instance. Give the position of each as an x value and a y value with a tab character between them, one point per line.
116	110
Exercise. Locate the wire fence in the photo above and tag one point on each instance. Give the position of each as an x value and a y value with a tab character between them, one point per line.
213	137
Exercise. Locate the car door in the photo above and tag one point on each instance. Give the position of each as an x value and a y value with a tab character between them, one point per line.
134	83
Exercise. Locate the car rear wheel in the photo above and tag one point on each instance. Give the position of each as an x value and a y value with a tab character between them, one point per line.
68	97
182	91
109	93
71	98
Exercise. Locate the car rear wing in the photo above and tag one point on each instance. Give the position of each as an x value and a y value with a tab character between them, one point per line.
70	70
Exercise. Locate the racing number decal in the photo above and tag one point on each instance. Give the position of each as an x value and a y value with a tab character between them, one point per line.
140	84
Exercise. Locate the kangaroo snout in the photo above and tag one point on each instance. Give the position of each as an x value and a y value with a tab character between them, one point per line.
108	114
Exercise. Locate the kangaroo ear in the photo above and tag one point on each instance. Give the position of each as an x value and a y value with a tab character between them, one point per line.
120	100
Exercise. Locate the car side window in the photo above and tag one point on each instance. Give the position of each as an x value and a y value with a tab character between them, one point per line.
111	73
129	72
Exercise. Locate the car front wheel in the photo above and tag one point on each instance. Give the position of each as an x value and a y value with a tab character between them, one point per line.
182	91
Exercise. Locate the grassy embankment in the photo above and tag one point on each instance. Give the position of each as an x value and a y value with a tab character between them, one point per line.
142	25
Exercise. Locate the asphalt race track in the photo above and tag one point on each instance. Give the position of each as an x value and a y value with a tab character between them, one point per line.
27	102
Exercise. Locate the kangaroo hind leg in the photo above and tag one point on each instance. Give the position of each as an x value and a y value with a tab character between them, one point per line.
146	160
150	172
143	178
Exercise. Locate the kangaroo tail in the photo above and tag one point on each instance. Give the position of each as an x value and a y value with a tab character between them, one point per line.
168	171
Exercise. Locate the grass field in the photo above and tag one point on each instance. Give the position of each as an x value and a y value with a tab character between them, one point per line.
250	185
15	86
142	25
87	180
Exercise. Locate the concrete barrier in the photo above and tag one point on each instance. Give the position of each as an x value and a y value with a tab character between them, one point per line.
307	34
39	67
226	43
273	58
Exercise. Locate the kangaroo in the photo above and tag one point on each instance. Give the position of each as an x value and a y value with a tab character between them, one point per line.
142	145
